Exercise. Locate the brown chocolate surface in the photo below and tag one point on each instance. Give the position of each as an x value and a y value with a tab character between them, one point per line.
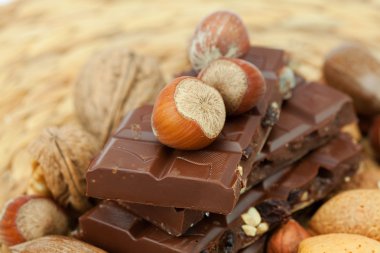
313	178
313	116
300	129
135	167
256	247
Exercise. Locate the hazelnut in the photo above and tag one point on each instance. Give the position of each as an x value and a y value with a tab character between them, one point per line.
287	238
354	70
334	243
28	217
55	244
354	211
240	83
374	135
188	114
221	34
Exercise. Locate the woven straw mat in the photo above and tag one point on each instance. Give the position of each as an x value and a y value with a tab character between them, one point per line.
44	44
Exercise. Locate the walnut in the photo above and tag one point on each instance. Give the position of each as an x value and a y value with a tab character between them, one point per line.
54	244
63	155
113	82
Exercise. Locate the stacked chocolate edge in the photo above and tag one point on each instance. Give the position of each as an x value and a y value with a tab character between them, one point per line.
278	158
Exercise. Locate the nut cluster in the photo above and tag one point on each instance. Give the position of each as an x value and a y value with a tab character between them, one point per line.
253	223
189	113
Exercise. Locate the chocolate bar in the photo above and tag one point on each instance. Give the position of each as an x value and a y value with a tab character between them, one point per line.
175	221
295	187
256	247
298	131
308	120
135	167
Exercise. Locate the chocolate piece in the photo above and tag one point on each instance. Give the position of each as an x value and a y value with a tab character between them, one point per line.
135	167
256	247
126	232
297	186
312	117
298	131
174	221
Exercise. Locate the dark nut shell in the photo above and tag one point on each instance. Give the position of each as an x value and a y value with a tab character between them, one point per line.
353	70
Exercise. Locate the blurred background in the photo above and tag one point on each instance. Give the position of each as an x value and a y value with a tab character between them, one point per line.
44	44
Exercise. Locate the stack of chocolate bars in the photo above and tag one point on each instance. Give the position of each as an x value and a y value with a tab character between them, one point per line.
278	158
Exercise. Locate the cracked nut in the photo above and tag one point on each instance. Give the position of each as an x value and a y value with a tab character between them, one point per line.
354	70
240	83
27	217
54	244
354	211
188	114
113	82
334	243
221	34
63	154
287	238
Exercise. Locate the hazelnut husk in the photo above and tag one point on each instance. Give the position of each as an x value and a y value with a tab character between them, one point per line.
63	155
354	70
113	82
287	238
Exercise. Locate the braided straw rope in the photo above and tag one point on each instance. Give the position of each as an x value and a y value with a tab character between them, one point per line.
44	46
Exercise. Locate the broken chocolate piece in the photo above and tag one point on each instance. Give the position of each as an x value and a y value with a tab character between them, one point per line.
313	178
312	117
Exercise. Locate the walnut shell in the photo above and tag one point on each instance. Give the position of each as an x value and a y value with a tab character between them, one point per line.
113	82
354	211
54	244
63	154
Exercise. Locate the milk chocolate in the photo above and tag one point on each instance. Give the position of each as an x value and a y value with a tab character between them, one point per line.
299	130
295	187
135	167
312	117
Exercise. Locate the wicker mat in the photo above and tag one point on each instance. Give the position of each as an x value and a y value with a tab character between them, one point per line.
44	44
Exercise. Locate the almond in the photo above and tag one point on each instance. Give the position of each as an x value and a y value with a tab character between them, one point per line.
339	243
354	211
